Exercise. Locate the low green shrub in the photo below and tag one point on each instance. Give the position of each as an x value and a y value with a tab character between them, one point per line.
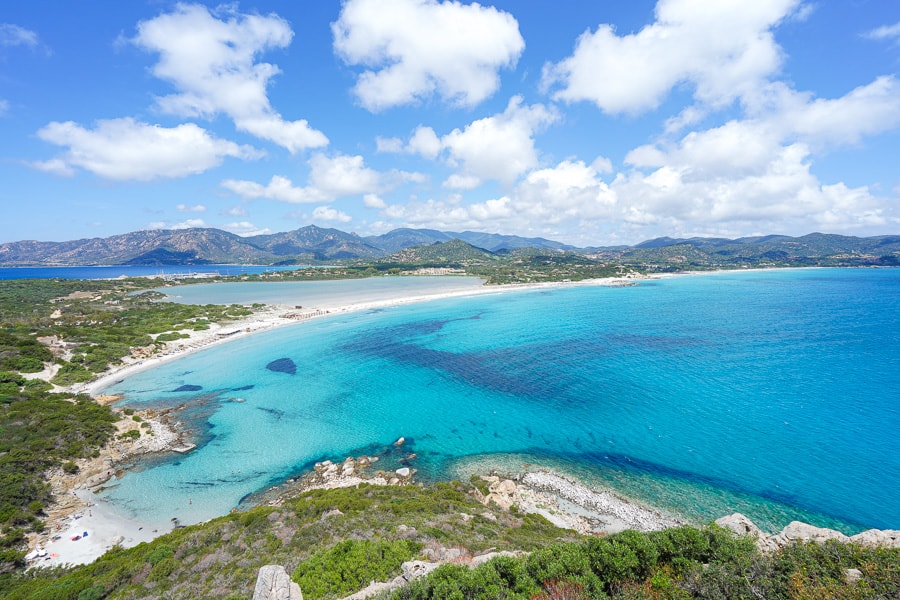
350	565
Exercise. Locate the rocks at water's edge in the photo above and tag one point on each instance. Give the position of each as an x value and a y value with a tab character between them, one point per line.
283	365
804	532
273	583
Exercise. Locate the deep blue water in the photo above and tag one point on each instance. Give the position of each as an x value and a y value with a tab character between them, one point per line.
111	272
774	393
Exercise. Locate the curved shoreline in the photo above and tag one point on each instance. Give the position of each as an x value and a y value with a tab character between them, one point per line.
280	315
76	508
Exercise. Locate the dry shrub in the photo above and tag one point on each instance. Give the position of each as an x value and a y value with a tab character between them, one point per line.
562	590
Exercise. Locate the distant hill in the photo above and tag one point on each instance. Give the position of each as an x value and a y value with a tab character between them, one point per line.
454	252
815	249
313	244
207	245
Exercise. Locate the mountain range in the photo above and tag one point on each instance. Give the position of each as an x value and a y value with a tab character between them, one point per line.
214	246
316	244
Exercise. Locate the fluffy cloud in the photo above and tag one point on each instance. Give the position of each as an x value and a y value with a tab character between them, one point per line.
419	48
568	195
725	49
885	32
279	188
13	35
499	147
326	213
569	192
330	178
425	142
754	174
373	201
212	62
188	224
246	229
342	175
779	194
867	110
126	149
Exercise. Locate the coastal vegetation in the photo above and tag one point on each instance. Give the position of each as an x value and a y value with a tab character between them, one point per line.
40	431
71	330
335	542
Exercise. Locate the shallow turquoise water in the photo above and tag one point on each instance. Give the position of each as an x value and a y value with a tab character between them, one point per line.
773	393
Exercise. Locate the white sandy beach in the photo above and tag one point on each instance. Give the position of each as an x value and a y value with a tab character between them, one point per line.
87	534
104	525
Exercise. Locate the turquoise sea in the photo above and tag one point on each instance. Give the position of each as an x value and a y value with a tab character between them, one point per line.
773	393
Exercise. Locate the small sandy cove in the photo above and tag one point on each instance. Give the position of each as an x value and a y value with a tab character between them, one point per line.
81	527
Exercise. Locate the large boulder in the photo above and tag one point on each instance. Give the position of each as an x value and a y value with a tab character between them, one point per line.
879	538
273	583
741	525
797	531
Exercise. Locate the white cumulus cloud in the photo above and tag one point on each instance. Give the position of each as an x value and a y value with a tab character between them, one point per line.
188	224
414	49
724	49
246	229
330	178
326	213
127	149
373	201
425	142
279	188
500	147
211	58
342	175
567	196
772	191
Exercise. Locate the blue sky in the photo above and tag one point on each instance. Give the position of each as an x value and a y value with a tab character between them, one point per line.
592	123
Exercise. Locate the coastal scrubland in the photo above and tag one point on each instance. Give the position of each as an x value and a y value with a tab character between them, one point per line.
58	334
334	542
54	334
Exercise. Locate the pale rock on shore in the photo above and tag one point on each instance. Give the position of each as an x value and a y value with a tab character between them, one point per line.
804	532
571	505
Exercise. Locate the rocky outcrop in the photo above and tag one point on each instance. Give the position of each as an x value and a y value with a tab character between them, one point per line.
804	532
885	538
501	492
740	525
414	569
410	571
614	512
273	583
